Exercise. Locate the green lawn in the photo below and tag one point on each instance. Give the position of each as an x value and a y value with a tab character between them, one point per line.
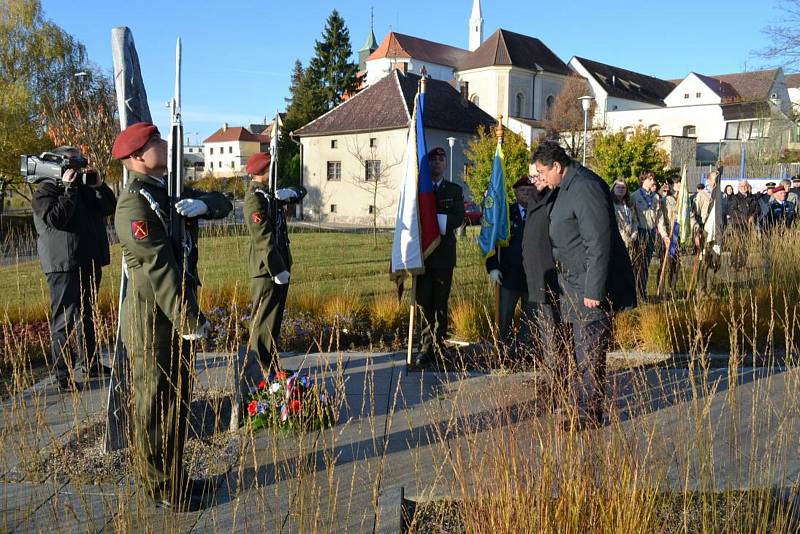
324	263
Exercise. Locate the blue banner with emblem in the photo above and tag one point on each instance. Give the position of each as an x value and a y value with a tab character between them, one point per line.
495	225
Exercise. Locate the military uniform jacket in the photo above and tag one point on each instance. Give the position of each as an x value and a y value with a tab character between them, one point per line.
269	236
648	209
154	270
779	214
449	201
510	257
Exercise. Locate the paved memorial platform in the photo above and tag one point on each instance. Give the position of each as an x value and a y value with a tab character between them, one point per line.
395	430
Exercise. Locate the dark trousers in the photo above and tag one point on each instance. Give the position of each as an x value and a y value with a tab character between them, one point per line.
161	365
508	305
72	298
432	293
269	302
645	245
739	237
588	377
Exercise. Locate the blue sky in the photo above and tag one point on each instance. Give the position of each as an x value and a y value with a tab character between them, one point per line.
238	55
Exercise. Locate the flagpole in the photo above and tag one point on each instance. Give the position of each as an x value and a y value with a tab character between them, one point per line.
412	307
500	132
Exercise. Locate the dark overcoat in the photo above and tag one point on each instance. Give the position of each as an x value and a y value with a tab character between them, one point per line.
509	259
590	255
537	254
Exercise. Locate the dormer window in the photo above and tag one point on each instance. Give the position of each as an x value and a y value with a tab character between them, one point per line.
686	96
697	95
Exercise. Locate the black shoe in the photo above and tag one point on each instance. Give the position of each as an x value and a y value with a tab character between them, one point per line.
198	495
422	361
98	370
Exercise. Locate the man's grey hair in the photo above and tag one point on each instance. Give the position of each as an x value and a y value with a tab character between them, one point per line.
63	150
744	182
786	181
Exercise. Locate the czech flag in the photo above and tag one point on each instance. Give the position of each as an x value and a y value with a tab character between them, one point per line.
416	232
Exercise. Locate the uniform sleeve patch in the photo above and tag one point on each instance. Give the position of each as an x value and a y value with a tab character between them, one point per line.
139	230
256	217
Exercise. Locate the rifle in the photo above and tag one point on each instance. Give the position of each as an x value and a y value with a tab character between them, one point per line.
177	226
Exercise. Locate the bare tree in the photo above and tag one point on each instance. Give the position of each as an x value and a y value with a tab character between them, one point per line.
565	120
373	178
784	36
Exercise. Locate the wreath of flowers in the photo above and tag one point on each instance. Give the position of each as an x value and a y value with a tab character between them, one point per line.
289	402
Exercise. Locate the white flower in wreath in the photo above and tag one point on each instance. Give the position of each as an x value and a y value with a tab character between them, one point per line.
275	387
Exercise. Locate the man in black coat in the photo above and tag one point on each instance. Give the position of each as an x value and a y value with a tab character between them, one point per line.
73	247
743	212
595	273
433	287
505	269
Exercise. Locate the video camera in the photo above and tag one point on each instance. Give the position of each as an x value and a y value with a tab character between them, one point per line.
51	166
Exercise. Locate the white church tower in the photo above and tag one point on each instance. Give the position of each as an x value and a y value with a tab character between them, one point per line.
475	26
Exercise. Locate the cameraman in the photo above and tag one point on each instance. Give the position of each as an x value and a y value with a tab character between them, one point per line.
69	215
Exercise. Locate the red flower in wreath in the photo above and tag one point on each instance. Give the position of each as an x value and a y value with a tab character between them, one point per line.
262	384
281	375
294	406
252	408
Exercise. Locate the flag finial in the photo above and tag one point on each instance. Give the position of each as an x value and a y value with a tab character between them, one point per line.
500	131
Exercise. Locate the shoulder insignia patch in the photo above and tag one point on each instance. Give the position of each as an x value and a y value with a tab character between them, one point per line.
256	217
139	230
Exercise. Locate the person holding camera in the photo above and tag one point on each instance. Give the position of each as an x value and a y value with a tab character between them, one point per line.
270	261
161	316
69	214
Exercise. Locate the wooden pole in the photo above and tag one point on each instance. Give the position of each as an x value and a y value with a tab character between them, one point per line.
411	313
663	268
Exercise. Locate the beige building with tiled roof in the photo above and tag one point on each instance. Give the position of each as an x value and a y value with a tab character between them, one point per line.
226	150
352	157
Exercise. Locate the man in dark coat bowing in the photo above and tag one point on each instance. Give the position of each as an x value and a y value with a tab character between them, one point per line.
594	270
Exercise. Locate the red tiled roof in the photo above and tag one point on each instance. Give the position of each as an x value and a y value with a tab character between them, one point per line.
792	81
742	86
508	48
235	133
397	45
388	104
627	84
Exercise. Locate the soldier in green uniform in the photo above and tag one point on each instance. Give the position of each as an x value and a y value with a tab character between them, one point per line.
270	262
160	316
433	287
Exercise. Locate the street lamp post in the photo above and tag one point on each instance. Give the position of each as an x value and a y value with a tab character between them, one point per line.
451	141
586	104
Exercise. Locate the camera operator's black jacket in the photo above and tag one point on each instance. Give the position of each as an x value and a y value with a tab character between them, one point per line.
70	222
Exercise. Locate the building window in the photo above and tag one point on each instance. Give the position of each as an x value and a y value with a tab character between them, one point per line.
333	208
190	151
372	170
230	150
211	151
334	143
371	209
697	95
744	130
690	131
548	106
628	131
654	127
373	142
334	172
520	105
212	164
686	95
475	100
232	165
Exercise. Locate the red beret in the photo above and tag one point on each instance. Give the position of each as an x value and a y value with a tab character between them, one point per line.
525	181
132	139
258	163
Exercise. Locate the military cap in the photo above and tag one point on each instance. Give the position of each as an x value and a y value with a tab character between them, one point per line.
769	184
525	181
438	151
778	189
258	163
132	139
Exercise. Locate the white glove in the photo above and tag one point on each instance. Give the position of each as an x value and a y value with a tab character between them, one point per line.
282	278
191	207
285	194
200	334
496	276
